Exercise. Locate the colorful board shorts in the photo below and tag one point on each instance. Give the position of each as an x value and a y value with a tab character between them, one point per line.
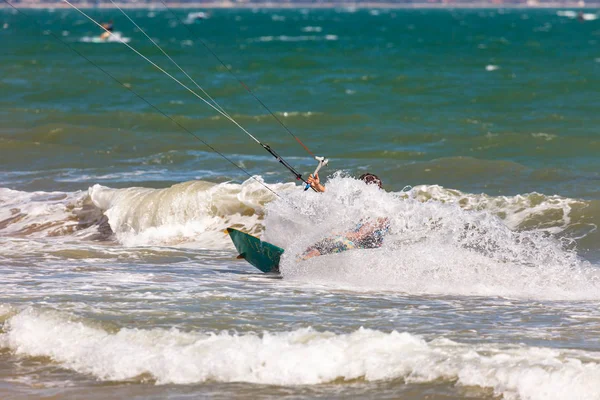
340	243
335	244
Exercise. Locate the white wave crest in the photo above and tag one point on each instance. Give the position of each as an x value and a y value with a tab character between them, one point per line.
532	211
302	38
192	17
301	357
187	212
196	212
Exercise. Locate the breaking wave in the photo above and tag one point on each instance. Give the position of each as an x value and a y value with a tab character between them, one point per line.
192	212
299	357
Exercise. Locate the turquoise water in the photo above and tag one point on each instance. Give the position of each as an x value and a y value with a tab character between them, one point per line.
482	124
397	92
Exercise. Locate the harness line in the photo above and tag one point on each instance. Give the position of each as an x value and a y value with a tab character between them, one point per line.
170	59
145	100
266	147
237	78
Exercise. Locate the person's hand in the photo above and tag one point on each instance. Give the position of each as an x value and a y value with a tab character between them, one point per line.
315	183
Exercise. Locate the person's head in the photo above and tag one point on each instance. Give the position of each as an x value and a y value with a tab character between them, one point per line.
369	179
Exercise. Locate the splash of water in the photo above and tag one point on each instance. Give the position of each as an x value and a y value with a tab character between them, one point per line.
432	247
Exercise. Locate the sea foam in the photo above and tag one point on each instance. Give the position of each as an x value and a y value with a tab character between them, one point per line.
299	357
431	247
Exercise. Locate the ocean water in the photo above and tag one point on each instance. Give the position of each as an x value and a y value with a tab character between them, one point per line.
119	282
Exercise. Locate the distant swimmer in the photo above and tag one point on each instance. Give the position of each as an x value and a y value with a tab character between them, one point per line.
201	15
109	28
196	16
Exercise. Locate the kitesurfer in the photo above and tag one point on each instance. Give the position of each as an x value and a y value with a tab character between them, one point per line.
109	28
366	235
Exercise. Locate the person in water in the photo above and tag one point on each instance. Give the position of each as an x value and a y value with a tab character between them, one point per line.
366	235
367	178
109	28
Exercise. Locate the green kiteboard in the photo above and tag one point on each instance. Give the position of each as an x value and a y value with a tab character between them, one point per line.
264	256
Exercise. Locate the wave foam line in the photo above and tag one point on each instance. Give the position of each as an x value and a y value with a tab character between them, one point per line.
301	357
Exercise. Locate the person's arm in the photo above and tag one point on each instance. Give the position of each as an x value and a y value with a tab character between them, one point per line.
315	183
